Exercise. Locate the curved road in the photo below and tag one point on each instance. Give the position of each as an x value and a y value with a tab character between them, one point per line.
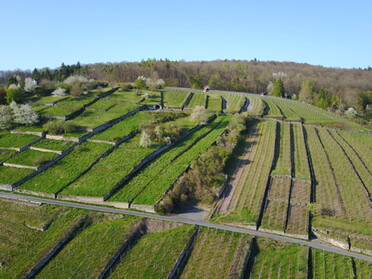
187	220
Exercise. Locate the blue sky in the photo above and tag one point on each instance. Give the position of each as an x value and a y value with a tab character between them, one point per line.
44	33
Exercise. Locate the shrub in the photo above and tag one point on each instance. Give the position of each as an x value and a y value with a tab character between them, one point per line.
6	117
14	94
60	127
199	114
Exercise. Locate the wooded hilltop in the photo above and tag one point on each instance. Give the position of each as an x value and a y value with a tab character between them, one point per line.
335	89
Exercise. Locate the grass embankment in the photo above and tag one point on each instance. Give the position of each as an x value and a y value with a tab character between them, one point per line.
57	145
21	246
15	140
155	254
97	244
31	157
175	99
65	171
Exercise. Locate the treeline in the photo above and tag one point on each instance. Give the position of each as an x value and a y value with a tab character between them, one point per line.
345	86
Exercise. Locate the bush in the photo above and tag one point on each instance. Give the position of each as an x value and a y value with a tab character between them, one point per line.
60	127
14	94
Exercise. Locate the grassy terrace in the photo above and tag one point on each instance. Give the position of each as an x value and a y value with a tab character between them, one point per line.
273	110
47	99
361	168
279	260
93	119
108	172
175	99
342	201
77	101
248	196
284	163
59	110
122	129
4	154
98	243
256	106
234	101
301	162
15	140
214	102
154	99
285	107
31	157
154	255
198	99
9	175
163	180
57	145
330	265
217	254
350	187
364	138
276	211
21	247
125	96
65	171
143	178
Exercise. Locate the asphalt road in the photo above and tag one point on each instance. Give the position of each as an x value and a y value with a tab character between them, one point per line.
188	220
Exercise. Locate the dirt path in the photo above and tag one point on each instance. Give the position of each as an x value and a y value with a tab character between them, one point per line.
224	202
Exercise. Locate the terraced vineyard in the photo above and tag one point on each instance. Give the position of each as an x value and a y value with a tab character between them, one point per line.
298	171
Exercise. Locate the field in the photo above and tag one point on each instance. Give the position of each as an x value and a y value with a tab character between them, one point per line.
32	158
56	145
245	204
16	140
93	119
154	254
198	99
225	262
175	99
234	102
214	103
22	243
58	176
279	260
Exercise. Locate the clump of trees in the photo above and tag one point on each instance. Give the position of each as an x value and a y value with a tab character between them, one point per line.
13	114
206	176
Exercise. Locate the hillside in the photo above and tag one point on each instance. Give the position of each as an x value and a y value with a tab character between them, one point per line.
287	168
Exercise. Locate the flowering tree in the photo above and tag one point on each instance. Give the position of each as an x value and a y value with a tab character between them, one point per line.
59	92
199	114
29	85
24	114
145	140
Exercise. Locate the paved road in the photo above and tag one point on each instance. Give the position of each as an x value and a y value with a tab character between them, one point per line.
192	221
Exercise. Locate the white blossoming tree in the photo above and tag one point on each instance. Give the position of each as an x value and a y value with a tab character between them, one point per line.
29	85
199	114
59	92
145	140
24	114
